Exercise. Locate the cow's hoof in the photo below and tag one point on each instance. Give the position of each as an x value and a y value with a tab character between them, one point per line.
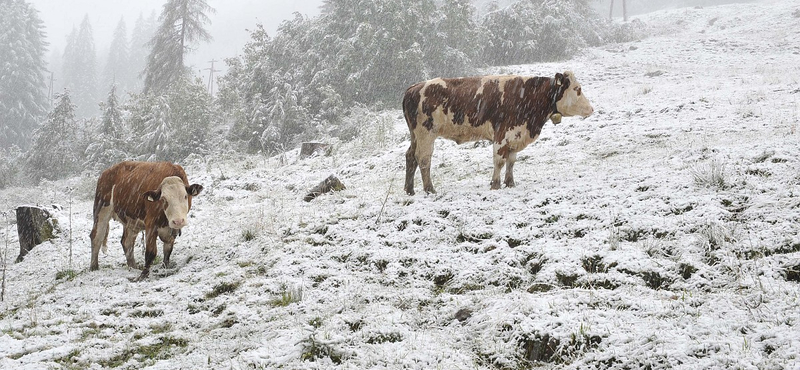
141	277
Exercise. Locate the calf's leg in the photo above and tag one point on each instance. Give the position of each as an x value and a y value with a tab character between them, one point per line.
167	237
129	233
149	252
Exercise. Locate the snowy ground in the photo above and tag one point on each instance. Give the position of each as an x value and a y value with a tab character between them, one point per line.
662	232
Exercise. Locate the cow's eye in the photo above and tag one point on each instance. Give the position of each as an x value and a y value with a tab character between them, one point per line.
578	90
186	196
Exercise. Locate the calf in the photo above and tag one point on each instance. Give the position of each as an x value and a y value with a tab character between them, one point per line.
150	196
508	110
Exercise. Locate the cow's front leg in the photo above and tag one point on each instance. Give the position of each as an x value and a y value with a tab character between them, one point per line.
167	237
512	157
499	162
149	252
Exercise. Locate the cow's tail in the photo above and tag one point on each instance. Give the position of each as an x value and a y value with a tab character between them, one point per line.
411	101
99	204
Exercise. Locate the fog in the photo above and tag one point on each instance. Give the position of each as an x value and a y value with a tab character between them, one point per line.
229	24
231	21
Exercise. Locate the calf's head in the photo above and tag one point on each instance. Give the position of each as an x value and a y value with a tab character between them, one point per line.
572	101
175	199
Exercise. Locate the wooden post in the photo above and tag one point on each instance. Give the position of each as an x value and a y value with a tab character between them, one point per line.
33	228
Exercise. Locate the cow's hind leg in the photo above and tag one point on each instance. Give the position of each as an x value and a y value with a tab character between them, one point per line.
129	234
411	166
423	154
512	157
99	234
499	162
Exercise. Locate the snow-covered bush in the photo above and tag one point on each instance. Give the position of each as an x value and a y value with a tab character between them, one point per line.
10	166
544	30
300	83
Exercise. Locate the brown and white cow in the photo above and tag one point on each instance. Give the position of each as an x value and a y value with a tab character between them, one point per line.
508	110
150	196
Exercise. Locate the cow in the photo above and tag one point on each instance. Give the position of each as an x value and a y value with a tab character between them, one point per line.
150	196
508	110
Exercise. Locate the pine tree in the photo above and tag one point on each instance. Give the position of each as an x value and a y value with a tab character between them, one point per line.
54	153
181	25
22	88
116	71
107	145
112	116
171	125
80	75
143	32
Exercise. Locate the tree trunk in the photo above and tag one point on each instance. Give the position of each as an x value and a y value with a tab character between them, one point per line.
33	228
332	183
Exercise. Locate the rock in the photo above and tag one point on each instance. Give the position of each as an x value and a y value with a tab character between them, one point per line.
310	148
332	183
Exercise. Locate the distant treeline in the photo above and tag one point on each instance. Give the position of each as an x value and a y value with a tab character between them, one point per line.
313	79
301	82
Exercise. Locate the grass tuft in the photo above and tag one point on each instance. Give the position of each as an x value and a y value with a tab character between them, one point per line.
288	296
711	175
222	288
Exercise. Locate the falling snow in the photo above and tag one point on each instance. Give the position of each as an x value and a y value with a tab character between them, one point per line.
661	232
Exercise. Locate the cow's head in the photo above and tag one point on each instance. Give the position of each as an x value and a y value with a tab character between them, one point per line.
572	101
175	199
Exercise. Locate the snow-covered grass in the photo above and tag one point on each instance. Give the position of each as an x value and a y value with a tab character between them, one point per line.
662	232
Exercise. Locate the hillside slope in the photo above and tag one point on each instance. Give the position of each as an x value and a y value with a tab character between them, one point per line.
662	232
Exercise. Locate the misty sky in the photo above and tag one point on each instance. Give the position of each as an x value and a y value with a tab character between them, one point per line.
228	25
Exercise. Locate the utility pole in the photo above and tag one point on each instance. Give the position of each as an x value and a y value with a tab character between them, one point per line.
611	11
50	88
211	77
624	10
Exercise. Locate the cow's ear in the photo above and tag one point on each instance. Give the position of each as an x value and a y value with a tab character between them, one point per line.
559	79
152	195
194	189
562	81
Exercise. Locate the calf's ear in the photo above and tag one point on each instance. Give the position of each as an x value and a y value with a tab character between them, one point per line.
152	195
194	189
